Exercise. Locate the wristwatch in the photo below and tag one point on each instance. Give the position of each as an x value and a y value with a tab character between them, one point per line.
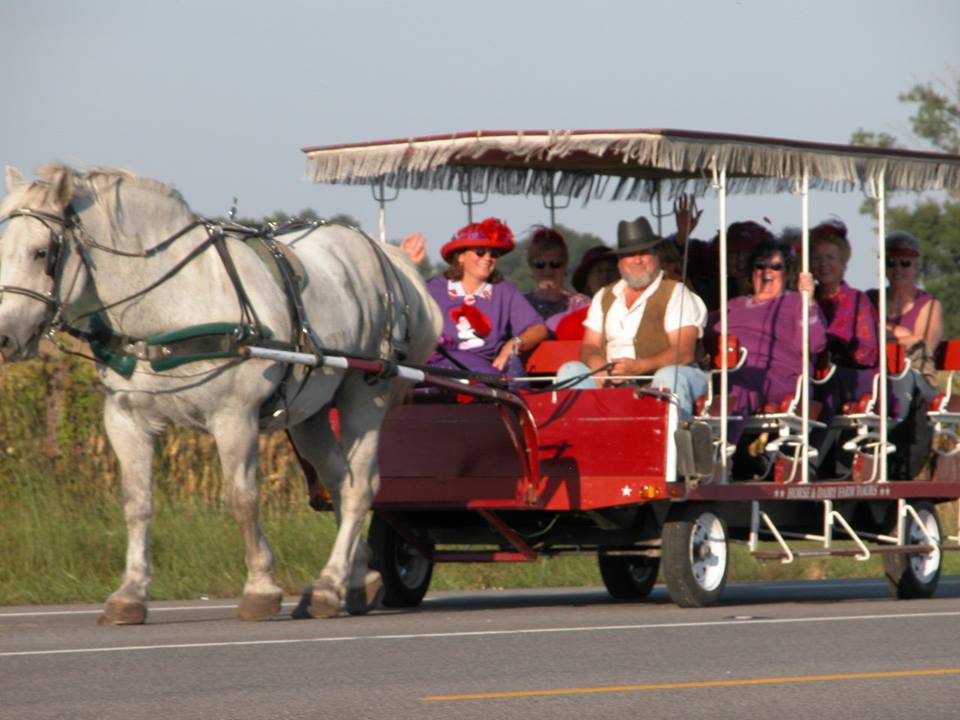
517	344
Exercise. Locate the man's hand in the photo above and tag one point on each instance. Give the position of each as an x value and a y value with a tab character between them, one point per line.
629	366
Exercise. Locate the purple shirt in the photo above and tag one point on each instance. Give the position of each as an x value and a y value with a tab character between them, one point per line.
852	327
553	311
475	326
771	331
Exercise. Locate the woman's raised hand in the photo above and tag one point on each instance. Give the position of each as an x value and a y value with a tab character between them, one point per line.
415	246
686	215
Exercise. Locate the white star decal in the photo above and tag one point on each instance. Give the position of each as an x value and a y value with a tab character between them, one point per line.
626	491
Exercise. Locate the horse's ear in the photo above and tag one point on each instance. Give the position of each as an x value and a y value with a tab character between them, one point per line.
61	182
14	178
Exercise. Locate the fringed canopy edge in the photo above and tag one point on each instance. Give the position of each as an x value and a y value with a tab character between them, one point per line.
585	164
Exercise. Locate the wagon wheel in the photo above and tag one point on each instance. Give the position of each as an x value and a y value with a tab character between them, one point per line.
915	575
694	556
628	577
405	571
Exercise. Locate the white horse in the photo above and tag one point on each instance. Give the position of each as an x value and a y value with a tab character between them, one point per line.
131	247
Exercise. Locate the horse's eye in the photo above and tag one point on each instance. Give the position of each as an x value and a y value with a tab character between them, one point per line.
40	254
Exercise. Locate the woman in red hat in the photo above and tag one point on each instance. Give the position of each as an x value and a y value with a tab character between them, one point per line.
914	319
487	322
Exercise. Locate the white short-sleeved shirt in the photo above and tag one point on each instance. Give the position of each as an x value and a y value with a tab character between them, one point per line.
684	309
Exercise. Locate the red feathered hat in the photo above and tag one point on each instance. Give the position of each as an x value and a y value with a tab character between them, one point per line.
745	235
489	233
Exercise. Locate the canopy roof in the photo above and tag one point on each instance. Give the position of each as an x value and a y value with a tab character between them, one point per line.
582	163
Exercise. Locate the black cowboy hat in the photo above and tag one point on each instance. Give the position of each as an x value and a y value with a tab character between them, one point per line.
635	237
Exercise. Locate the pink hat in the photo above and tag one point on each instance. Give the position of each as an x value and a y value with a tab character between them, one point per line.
490	233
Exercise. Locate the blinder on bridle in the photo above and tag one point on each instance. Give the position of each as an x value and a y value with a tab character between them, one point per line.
59	227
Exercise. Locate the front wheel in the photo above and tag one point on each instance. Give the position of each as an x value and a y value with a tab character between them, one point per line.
694	556
628	577
405	571
915	575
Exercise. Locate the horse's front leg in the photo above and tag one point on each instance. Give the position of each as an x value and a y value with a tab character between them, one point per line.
133	442
237	446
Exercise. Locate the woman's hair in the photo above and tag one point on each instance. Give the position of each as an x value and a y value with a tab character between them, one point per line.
771	248
454	270
838	241
542	239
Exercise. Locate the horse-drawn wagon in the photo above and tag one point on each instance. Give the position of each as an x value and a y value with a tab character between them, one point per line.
473	476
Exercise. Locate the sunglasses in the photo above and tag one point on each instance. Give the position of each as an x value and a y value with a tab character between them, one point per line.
904	263
776	267
553	264
482	252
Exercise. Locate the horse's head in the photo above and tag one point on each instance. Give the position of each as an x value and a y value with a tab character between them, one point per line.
39	272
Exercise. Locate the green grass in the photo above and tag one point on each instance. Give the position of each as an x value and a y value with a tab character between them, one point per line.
58	547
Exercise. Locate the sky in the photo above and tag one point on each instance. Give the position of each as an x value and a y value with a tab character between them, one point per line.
217	97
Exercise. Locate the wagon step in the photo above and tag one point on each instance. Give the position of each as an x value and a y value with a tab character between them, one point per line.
847	552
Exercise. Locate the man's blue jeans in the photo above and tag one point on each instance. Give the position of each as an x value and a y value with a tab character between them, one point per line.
687	382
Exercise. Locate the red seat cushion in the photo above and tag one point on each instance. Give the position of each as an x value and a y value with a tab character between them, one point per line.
947	356
571	326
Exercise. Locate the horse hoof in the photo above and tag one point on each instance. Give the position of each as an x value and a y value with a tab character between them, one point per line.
259	607
123	612
361	600
324	600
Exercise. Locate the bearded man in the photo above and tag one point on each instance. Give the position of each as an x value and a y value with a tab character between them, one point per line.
643	324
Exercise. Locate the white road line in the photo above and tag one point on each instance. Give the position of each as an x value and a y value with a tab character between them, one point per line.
152	609
479	633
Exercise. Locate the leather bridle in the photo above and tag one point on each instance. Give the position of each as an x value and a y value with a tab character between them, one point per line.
61	232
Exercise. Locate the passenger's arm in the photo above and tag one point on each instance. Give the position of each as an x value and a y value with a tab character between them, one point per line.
592	353
529	339
934	324
682	350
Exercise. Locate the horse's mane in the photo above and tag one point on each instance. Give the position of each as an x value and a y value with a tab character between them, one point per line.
104	183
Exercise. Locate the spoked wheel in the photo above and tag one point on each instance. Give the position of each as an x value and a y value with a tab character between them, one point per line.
694	556
405	571
915	575
628	577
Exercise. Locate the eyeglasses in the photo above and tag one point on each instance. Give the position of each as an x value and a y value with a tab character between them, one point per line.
776	267
482	252
904	263
553	264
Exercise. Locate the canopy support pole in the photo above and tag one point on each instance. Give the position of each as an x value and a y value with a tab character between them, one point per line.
720	183
882	312
805	335
380	195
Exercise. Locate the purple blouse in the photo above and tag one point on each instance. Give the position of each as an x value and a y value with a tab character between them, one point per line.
553	311
852	327
771	331
475	326
909	318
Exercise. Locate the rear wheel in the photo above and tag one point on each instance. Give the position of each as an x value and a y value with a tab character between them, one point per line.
694	556
915	575
405	571
628	577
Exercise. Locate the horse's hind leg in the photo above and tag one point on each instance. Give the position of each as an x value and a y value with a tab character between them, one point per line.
237	446
134	445
349	471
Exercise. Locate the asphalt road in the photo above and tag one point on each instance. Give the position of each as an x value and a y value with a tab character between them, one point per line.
787	650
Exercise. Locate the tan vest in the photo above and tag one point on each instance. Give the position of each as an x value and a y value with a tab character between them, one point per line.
651	338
